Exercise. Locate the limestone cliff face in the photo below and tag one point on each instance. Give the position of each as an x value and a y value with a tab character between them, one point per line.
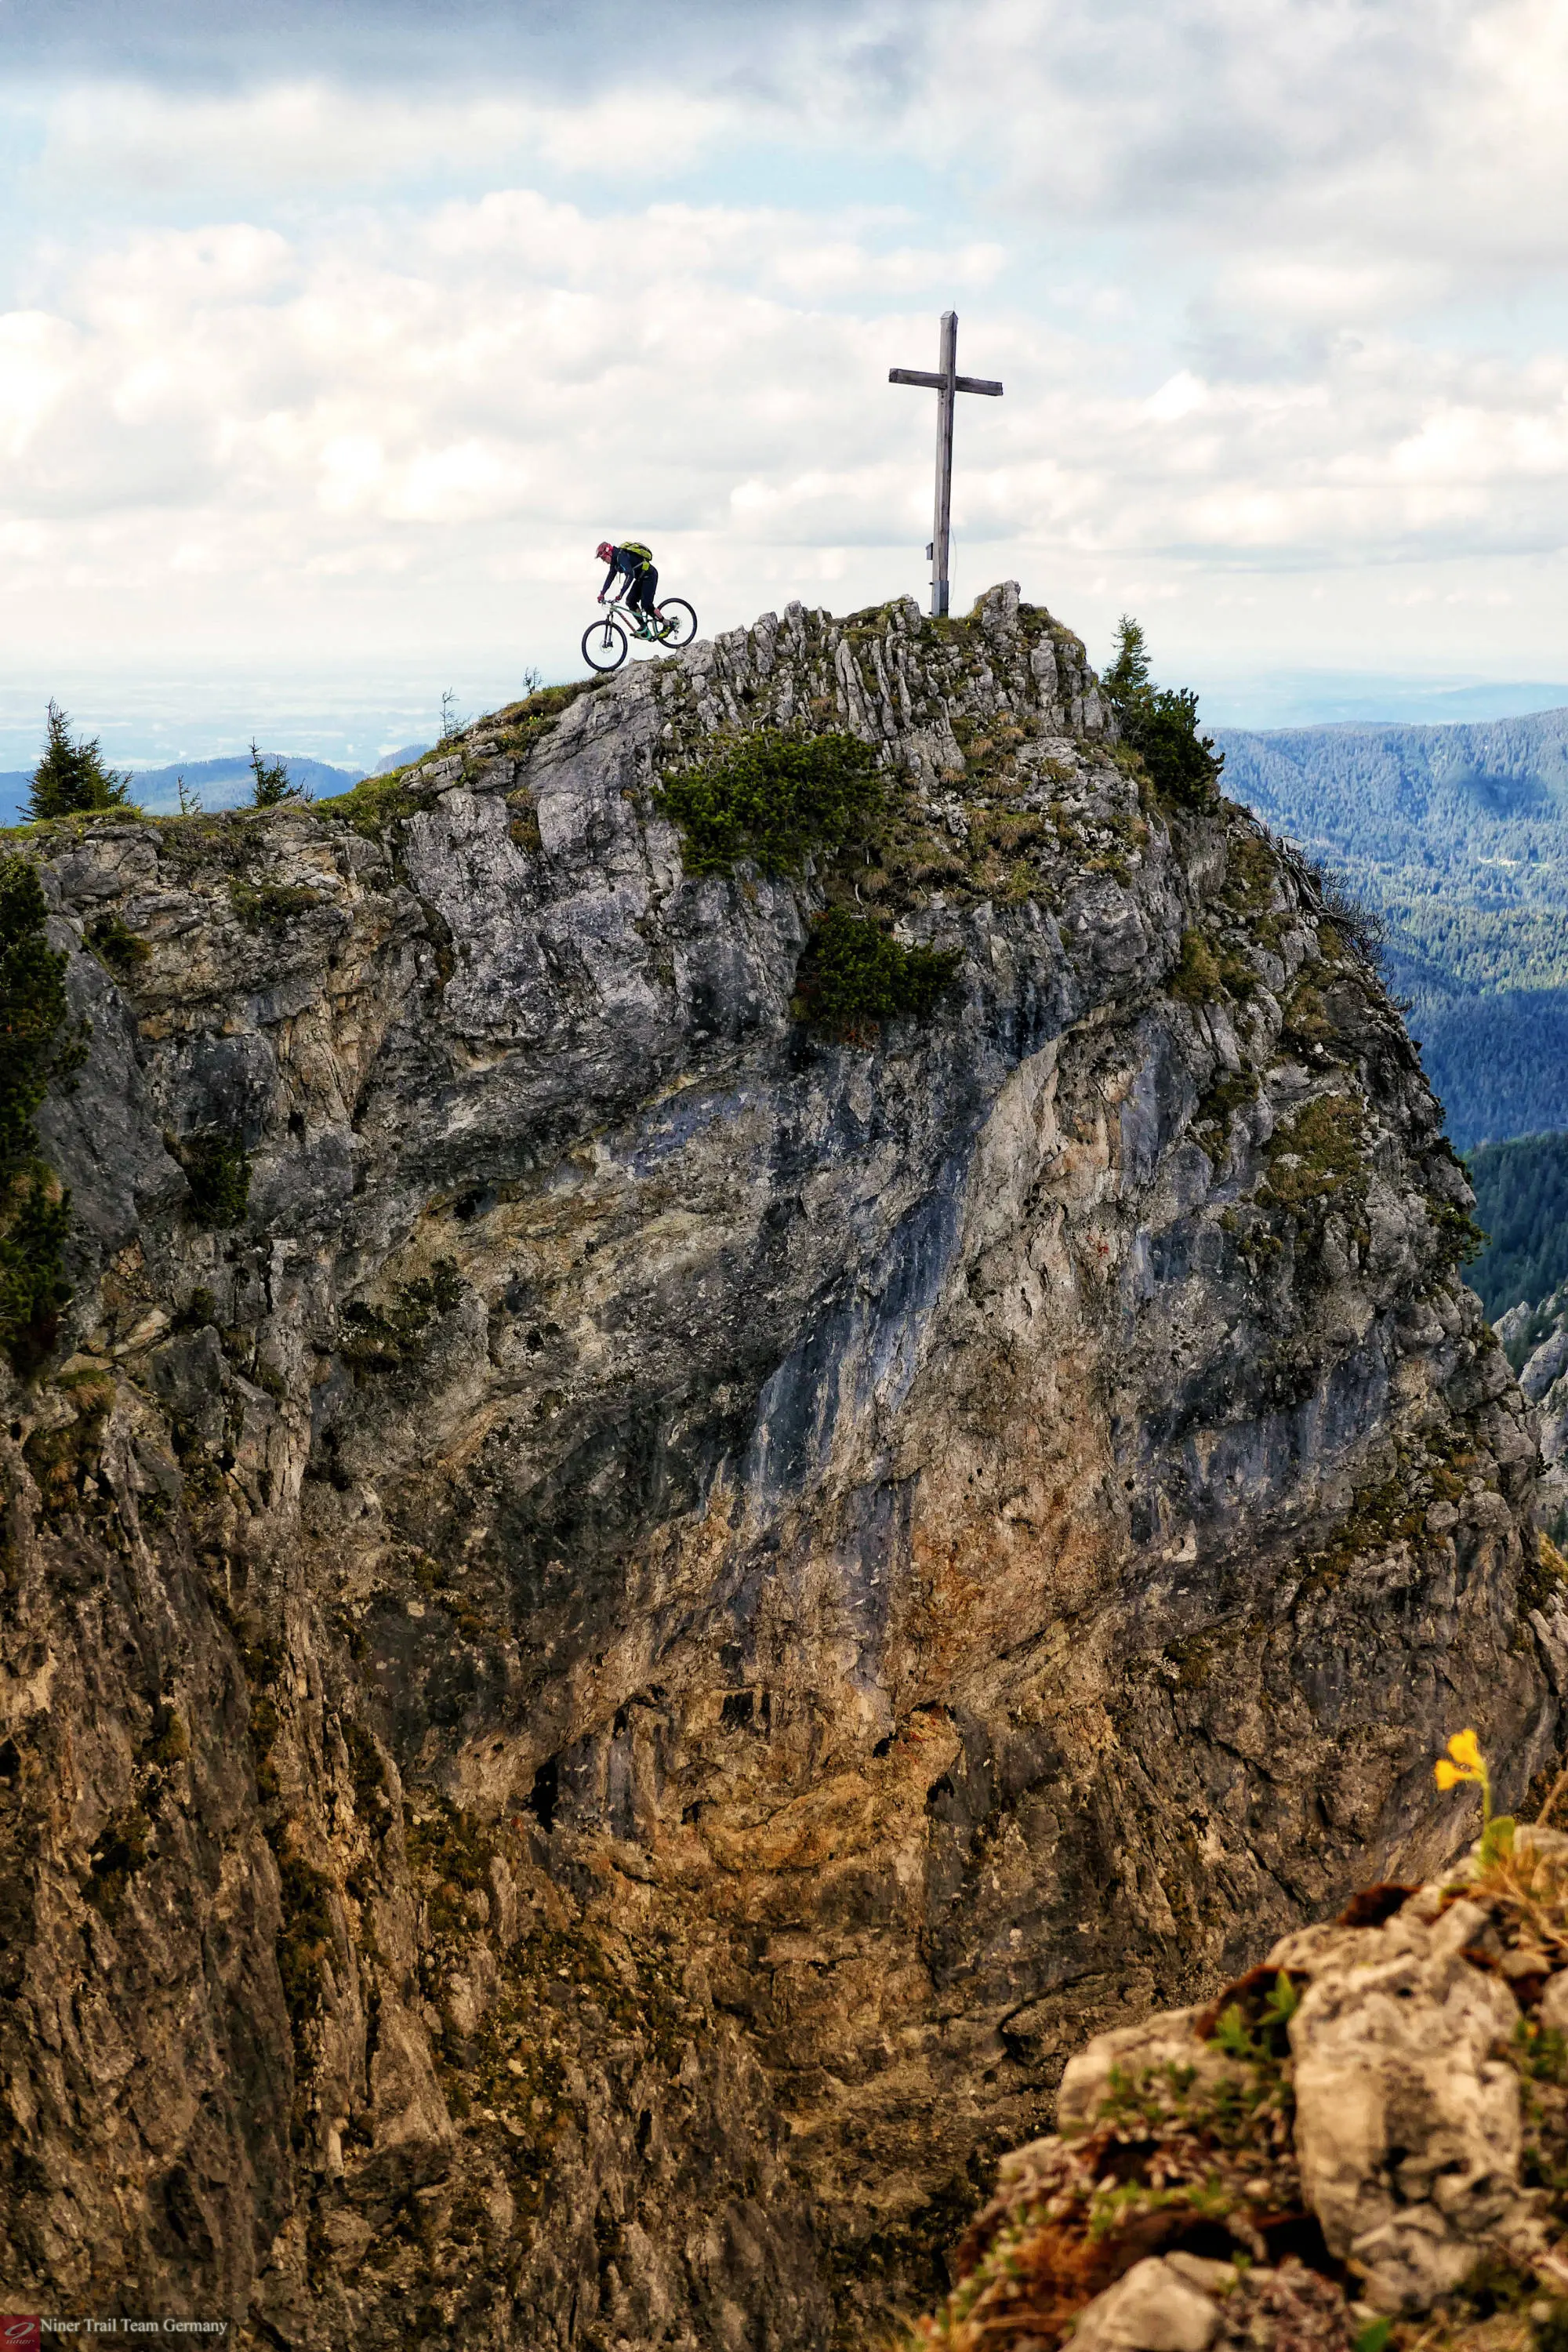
1536	1338
600	1692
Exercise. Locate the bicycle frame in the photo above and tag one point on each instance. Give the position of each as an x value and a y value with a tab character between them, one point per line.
632	618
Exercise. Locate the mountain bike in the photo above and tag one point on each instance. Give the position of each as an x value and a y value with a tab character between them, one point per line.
673	623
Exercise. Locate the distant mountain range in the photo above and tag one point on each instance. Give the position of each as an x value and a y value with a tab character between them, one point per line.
1332	697
217	783
1458	835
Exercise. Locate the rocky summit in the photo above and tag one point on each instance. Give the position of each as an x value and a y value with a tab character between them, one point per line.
701	1501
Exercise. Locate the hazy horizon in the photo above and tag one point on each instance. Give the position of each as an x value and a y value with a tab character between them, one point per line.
144	722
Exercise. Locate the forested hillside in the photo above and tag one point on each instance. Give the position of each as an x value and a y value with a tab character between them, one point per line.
1522	1202
1459	835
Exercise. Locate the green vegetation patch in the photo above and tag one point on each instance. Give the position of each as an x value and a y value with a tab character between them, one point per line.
217	1170
523	825
1217	1108
522	721
117	947
1393	1510
382	1339
1316	1156
1460	1240
1252	873
118	1854
1541	1582
1209	968
271	906
776	798
33	1286
306	1937
375	804
854	975
1307	1020
1196	979
36	1050
1161	725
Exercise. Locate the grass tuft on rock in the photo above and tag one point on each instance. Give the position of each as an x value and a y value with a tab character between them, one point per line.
774	798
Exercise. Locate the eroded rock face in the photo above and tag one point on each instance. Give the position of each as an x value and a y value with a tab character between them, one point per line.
600	1693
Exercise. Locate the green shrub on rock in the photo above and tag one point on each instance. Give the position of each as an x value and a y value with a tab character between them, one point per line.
218	1173
854	975
774	798
117	947
33	1286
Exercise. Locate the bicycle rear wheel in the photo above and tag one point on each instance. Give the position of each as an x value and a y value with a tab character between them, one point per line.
677	621
604	644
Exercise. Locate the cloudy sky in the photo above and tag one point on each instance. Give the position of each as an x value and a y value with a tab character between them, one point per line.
331	339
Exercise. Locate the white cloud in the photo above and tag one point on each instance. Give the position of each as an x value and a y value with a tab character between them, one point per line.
307	362
295	137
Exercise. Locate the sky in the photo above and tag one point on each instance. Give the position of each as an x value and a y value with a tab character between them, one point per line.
332	340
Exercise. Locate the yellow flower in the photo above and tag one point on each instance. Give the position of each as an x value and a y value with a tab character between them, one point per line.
1446	1777
1466	1751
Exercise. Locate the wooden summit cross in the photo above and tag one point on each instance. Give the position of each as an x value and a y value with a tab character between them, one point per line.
944	383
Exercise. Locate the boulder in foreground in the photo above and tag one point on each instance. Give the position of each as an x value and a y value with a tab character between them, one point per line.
1362	2143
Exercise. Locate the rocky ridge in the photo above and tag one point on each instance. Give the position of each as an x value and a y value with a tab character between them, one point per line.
625	1618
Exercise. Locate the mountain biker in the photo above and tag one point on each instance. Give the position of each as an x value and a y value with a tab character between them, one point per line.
636	564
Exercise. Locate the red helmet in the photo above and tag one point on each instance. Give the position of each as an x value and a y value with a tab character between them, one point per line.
604	552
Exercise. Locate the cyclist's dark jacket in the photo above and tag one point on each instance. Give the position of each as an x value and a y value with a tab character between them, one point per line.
631	559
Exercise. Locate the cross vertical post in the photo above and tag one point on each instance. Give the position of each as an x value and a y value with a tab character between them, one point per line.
947	368
946	384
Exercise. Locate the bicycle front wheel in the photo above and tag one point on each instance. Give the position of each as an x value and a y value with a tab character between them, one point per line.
604	644
677	621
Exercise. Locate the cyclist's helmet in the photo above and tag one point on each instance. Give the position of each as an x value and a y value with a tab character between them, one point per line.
604	550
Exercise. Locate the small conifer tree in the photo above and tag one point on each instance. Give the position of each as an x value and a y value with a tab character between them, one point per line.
1128	672
73	777
272	786
1161	723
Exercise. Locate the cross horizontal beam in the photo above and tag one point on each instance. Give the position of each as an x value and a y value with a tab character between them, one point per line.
940	383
